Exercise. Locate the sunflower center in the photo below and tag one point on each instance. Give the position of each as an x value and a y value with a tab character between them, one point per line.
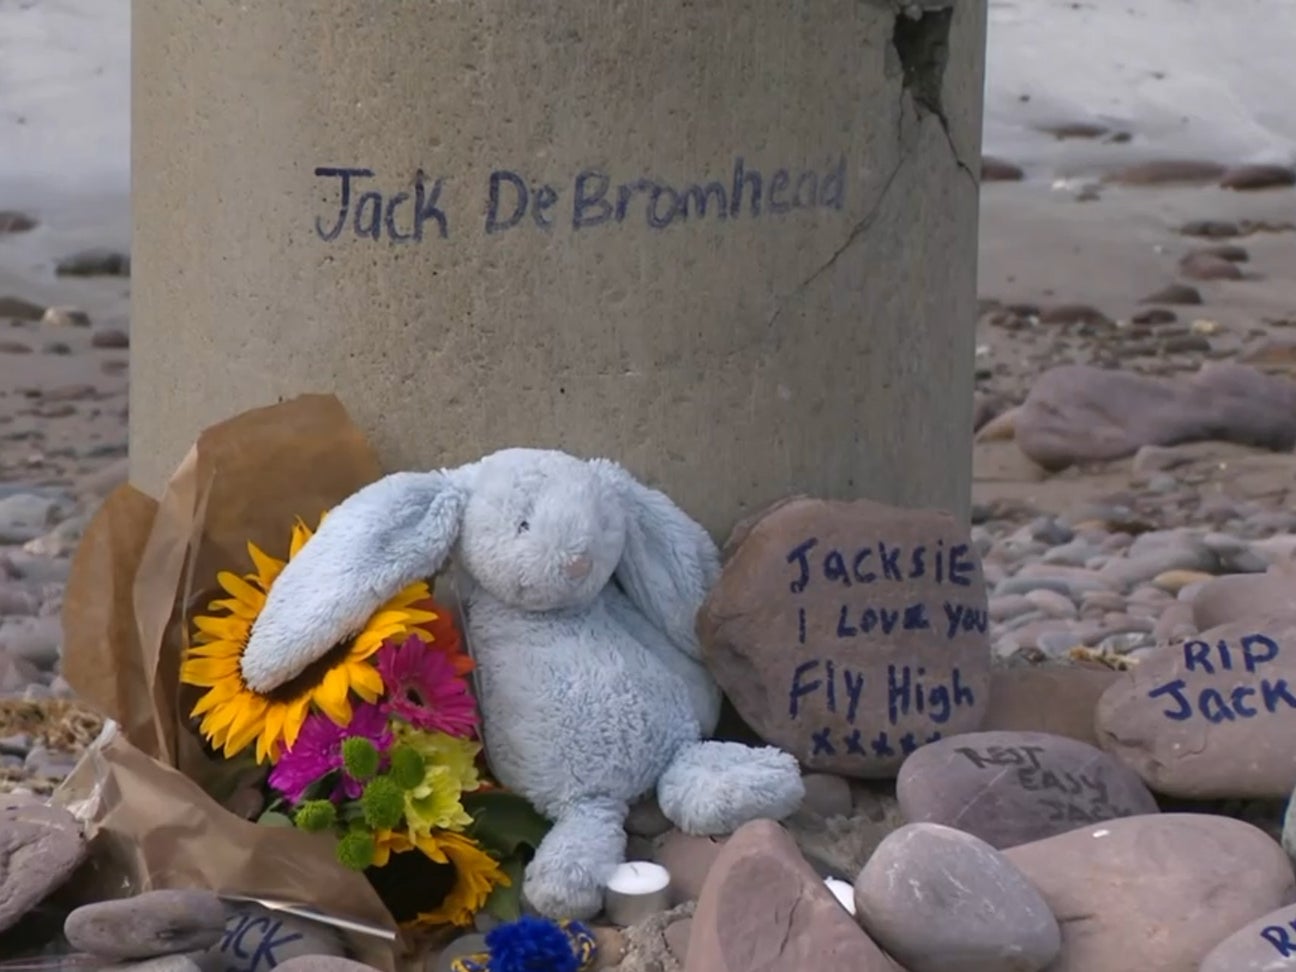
312	676
411	883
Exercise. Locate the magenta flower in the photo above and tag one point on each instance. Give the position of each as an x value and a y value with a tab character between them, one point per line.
318	752
422	688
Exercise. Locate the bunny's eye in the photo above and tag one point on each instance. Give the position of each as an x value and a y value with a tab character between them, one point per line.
524	526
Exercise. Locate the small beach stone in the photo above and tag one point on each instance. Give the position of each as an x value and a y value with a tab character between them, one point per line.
826	795
1010	788
147	925
1056	699
65	317
689	860
941	900
40	847
1233	597
646	819
1154	892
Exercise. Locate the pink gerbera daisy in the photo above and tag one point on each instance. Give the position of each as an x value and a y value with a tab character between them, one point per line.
318	752
421	686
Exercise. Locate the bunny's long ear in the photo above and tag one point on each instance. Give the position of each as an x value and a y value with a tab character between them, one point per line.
669	562
382	538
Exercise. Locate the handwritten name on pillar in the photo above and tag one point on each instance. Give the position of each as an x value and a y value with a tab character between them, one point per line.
1245	693
359	209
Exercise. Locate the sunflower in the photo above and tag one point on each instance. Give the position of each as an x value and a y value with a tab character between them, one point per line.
476	874
234	716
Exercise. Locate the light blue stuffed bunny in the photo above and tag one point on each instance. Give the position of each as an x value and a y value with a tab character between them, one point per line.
579	588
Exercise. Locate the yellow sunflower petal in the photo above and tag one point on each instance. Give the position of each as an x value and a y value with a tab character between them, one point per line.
331	696
365	681
214	649
248	612
216	695
276	713
301	533
227	629
238	587
267	567
294	715
208	671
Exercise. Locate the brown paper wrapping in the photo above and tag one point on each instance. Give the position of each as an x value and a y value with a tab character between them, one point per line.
148	792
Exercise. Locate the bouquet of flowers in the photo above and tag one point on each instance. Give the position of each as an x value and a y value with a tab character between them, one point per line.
376	744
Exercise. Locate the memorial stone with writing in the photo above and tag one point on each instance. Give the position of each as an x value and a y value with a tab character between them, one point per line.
1268	944
1011	788
258	939
850	633
1212	718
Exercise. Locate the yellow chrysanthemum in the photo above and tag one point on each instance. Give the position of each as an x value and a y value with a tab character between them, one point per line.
457	754
476	872
435	804
233	716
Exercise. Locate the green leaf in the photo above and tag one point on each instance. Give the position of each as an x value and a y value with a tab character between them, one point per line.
505	903
505	823
273	819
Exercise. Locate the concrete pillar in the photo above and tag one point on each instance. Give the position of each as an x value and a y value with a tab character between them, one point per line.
731	244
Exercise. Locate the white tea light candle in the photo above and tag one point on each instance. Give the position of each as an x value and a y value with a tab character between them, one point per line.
843	892
636	890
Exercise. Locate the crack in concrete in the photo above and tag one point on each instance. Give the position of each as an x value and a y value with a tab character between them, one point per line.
858	230
919	90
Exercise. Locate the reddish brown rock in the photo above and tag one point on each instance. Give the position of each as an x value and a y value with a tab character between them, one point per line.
1058	699
15	308
1234	597
1080	413
12	222
764	909
1065	130
1253	177
109	337
1155	315
1166	172
999	170
1176	293
1206	266
1074	314
1228	251
1211	229
1156	892
850	633
1211	718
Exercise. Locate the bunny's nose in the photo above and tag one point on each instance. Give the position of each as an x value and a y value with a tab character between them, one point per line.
578	567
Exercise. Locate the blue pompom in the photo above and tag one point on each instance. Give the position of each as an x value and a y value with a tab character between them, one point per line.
531	944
